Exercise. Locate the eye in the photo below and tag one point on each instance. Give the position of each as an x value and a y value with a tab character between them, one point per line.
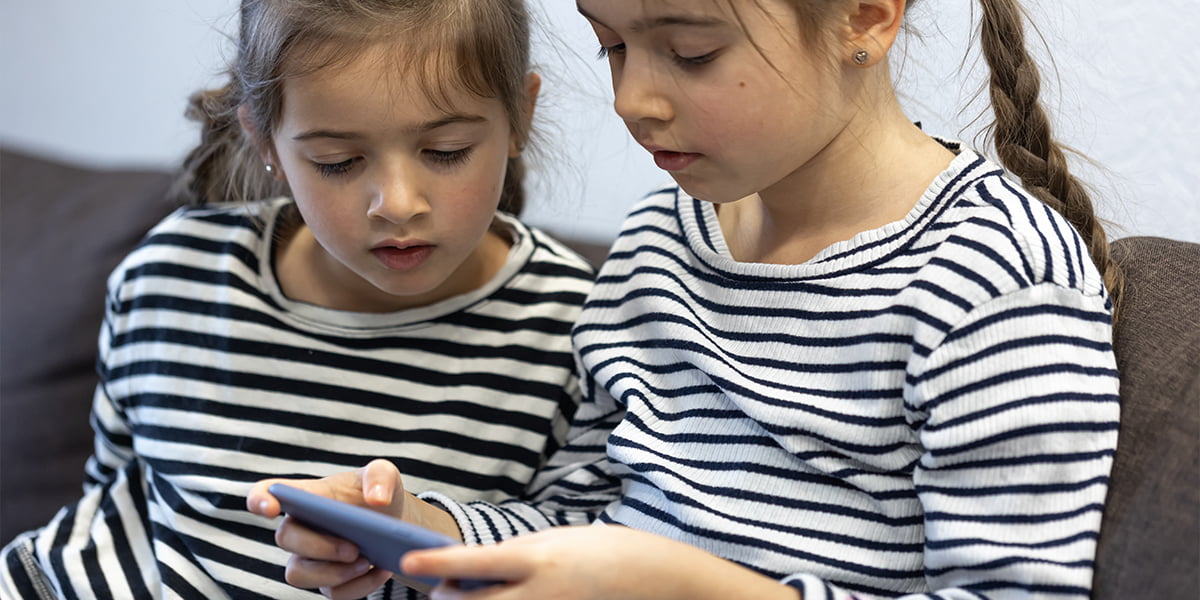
335	169
695	61
607	51
449	157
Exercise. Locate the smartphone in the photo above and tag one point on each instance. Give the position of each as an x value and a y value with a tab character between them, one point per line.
383	540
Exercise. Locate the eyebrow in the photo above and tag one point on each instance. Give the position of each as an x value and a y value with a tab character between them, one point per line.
419	128
659	21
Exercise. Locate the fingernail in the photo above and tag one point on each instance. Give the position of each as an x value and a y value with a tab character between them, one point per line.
376	491
361	566
347	552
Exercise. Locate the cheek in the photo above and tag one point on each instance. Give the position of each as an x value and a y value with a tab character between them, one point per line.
480	191
475	200
326	214
732	112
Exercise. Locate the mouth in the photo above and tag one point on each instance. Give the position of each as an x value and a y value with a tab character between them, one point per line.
668	160
402	257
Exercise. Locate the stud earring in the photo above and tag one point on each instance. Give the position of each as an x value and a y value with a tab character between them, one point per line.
270	169
861	56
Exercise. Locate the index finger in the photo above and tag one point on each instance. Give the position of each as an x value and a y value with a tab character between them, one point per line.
260	501
477	563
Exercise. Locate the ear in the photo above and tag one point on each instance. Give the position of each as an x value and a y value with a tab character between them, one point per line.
517	140
265	149
873	26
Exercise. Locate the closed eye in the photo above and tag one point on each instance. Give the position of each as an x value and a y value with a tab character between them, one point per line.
696	61
606	51
449	157
335	169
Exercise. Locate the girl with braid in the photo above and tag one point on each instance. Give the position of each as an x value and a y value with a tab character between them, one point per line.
842	359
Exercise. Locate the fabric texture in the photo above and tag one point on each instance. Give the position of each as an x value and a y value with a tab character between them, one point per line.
926	410
211	379
63	230
1150	538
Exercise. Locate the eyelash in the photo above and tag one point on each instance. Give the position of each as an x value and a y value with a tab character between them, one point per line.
682	61
606	51
449	158
440	158
335	169
695	61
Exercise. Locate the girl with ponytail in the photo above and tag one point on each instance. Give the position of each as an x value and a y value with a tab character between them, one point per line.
841	359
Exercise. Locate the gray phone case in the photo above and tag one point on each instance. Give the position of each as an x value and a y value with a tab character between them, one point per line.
383	540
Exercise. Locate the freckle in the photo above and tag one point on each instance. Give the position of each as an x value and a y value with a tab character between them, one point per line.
741	84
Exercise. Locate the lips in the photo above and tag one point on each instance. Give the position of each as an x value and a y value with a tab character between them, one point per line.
674	161
402	258
670	160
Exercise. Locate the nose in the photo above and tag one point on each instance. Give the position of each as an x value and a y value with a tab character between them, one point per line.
639	91
397	195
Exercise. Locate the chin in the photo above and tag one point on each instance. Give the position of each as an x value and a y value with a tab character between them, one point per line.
715	196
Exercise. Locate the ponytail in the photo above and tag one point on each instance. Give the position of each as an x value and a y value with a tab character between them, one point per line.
225	166
1022	135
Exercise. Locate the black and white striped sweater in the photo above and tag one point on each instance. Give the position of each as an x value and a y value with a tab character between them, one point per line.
927	410
211	380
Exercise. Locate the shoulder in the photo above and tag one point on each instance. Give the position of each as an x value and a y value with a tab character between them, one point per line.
211	238
549	260
995	229
659	206
655	223
221	220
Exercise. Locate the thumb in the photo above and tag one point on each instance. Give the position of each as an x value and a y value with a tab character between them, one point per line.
381	483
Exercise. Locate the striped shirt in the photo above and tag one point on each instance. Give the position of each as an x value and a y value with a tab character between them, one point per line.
926	410
211	379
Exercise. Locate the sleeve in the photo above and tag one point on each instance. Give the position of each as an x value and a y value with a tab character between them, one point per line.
113	441
572	488
1017	413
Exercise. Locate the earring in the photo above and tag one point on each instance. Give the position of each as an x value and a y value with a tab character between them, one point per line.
861	56
270	169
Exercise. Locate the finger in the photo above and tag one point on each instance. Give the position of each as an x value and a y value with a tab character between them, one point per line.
380	480
340	579
295	537
260	502
450	589
360	587
484	563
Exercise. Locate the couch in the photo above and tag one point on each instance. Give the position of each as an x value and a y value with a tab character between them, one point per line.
64	227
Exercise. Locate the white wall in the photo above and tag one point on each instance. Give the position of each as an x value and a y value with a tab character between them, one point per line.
105	83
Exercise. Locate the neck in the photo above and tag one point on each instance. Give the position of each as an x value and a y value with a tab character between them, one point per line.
872	173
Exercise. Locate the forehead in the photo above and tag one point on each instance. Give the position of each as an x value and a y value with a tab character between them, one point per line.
639	16
381	84
765	22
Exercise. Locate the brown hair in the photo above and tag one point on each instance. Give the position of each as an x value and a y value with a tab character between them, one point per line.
1023	138
1021	130
478	45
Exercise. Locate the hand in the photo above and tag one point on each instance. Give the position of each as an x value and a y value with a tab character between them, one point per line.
591	562
332	564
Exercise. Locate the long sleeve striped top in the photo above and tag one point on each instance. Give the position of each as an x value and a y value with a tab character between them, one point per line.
926	410
212	379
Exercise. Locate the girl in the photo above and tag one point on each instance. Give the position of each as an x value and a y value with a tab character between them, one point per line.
842	360
383	306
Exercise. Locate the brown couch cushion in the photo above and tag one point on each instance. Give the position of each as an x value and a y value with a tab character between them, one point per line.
1150	537
63	231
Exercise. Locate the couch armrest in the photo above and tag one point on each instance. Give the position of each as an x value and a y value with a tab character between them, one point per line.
64	229
1150	536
